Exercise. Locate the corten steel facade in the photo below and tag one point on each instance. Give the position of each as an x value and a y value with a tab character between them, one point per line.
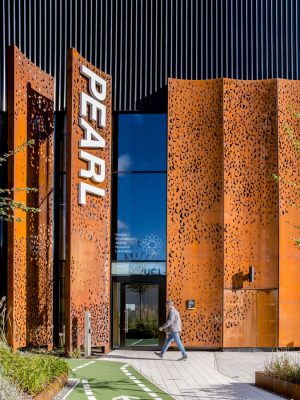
288	95
225	212
225	139
195	220
88	226
30	242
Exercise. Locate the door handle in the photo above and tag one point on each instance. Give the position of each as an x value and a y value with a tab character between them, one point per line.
126	321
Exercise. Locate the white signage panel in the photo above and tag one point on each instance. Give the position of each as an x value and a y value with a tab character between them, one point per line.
138	268
91	109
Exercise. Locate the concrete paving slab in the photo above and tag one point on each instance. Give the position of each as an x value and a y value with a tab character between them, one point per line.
205	375
242	365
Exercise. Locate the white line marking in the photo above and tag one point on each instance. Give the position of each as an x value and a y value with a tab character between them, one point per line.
139	383
82	366
87	389
156	384
71	390
138	341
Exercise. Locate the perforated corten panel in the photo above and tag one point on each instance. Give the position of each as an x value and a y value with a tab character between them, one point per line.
88	226
250	205
224	130
250	193
30	268
289	254
195	203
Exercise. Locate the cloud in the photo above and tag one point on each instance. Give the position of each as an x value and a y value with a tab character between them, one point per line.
122	225
124	162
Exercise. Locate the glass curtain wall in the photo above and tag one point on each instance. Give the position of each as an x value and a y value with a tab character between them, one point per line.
139	187
139	226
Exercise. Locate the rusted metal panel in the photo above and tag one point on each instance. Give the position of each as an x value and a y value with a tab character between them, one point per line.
250	318
223	130
30	242
267	318
250	193
250	208
239	318
289	254
194	208
88	225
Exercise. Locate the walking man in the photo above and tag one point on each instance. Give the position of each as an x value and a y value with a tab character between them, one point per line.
172	327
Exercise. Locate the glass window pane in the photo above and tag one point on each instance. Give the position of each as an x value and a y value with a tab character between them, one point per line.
142	142
141	217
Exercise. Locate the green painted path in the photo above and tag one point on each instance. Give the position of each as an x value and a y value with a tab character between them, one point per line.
110	380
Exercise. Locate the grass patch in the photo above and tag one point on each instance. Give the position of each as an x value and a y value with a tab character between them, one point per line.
31	373
284	367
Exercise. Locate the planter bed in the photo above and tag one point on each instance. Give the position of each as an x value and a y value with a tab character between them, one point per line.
52	389
285	388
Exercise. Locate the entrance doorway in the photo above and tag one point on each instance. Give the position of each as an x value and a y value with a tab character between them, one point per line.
140	314
137	314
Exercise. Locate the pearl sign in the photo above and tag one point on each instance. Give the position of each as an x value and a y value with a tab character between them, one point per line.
91	109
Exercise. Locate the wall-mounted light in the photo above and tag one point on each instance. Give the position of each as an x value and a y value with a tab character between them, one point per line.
251	274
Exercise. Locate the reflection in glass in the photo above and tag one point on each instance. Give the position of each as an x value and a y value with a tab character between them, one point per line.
141	217
141	308
142	142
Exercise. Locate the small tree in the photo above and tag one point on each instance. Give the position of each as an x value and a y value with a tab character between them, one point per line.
7	204
140	290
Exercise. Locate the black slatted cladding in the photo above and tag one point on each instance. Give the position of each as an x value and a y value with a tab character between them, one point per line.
143	42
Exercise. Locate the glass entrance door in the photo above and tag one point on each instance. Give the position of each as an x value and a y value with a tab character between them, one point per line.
139	304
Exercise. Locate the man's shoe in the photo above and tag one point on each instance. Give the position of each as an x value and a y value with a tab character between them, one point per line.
158	354
183	358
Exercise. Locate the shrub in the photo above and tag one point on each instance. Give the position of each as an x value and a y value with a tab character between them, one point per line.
30	373
284	367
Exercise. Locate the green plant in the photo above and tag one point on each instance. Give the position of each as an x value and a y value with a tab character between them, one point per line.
30	373
3	319
7	204
76	353
9	391
284	367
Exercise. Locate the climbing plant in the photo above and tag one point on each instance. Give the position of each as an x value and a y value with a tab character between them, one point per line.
7	204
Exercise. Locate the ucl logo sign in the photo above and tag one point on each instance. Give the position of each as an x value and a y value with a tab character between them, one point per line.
91	108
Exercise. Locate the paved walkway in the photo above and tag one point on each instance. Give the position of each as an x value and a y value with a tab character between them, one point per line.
205	376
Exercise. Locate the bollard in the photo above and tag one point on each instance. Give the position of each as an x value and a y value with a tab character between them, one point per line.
87	333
